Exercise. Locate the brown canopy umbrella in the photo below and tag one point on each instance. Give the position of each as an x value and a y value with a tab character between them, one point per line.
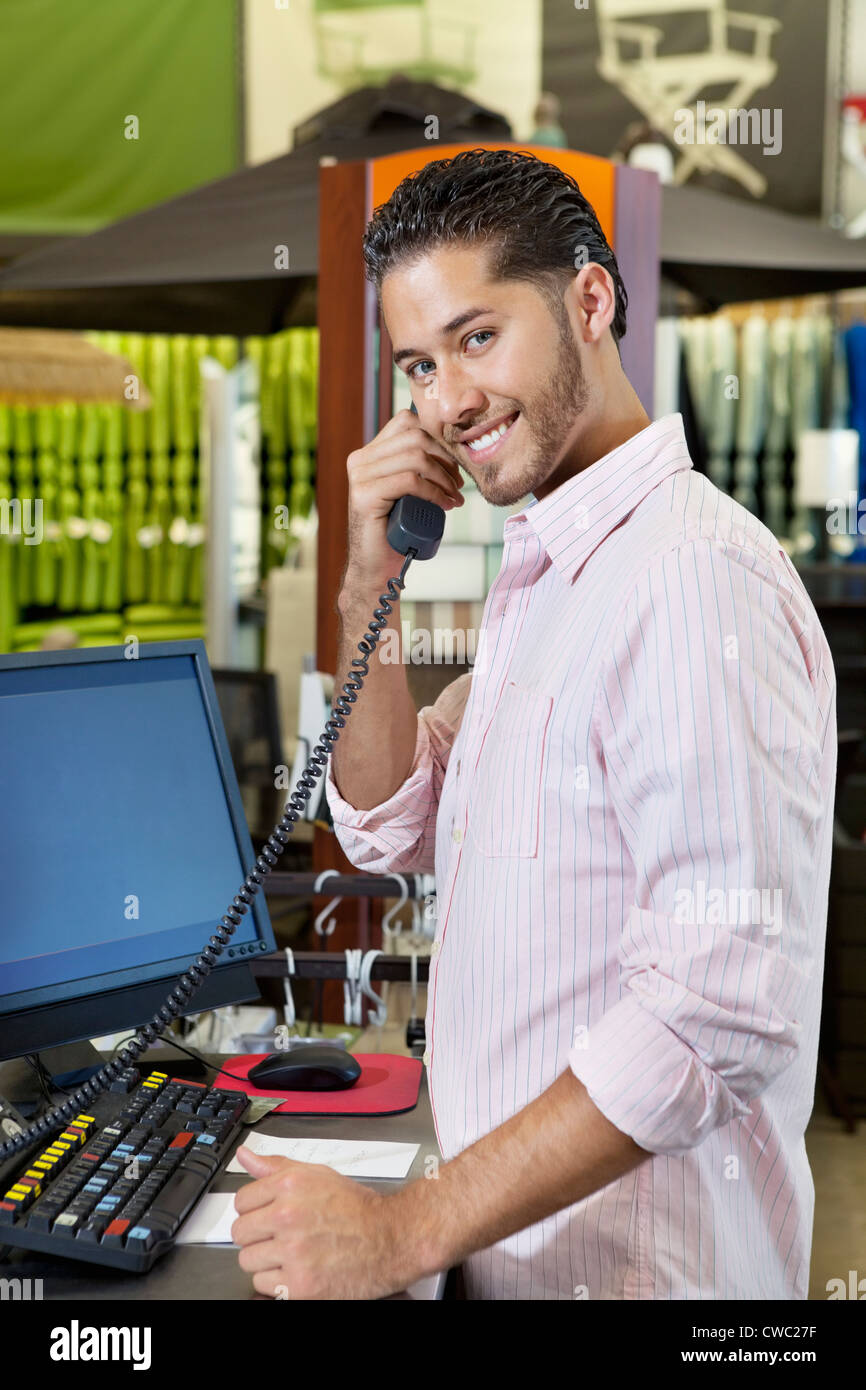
45	367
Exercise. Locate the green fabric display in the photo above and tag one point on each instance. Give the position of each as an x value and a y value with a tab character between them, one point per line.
89	477
133	348
24	489
113	507
67	431
225	350
157	377
93	552
161	613
199	347
134	586
178	563
8	547
123	534
79	622
165	632
72	523
47	470
195	541
274	405
184	426
92	629
158	521
302	377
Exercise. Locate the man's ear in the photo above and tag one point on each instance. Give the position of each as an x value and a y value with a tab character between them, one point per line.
591	301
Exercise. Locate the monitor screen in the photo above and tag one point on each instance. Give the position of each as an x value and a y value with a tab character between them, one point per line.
122	838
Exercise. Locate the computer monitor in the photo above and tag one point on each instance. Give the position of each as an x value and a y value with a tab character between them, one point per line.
122	842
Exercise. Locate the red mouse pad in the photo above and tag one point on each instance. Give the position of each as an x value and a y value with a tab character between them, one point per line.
388	1085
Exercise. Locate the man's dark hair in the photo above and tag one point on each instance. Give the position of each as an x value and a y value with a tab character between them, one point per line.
532	216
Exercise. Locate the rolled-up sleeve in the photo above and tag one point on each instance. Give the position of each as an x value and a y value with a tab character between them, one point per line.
399	836
712	730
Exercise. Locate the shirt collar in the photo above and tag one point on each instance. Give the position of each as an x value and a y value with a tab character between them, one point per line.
577	515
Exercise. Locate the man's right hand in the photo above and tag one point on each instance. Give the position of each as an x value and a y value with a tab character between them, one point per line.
402	459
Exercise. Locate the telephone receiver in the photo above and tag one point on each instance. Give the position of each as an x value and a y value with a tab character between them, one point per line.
415	528
415	524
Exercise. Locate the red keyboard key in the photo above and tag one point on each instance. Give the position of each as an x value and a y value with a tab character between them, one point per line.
115	1233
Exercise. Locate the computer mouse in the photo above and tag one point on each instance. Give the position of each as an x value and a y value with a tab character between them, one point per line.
306	1069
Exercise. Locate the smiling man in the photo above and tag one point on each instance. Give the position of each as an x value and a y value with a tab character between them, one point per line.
620	1079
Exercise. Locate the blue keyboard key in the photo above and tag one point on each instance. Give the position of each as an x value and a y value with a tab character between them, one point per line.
107	1204
139	1238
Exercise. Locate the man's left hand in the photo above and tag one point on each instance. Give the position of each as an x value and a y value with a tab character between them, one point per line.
307	1232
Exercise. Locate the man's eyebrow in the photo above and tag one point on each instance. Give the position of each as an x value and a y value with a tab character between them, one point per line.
444	332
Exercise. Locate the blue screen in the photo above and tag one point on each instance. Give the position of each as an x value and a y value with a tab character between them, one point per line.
116	839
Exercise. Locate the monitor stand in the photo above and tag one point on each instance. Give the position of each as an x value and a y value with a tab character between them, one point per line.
69	1066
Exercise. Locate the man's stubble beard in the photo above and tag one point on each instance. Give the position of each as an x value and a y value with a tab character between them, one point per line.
552	416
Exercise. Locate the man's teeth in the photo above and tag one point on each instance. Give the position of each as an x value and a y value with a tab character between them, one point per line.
487	439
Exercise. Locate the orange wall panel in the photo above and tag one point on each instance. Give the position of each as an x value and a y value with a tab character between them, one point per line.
595	176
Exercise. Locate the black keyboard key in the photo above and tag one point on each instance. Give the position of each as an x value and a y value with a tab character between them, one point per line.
178	1197
138	1135
133	1210
219	1129
233	1109
124	1189
42	1216
92	1230
126	1080
201	1162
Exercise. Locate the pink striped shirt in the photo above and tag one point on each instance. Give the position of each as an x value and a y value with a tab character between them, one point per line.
628	809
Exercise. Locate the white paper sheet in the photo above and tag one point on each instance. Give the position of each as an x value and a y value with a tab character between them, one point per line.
211	1222
369	1158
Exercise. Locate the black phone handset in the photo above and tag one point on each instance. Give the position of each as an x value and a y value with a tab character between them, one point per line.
415	529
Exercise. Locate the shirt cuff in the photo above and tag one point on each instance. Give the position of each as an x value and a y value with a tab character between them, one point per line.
343	813
648	1082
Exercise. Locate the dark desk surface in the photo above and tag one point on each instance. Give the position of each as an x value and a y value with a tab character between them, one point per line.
213	1272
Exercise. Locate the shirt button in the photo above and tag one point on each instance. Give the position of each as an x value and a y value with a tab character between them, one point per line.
457	835
458	767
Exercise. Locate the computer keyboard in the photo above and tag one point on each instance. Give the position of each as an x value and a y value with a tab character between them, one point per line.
115	1185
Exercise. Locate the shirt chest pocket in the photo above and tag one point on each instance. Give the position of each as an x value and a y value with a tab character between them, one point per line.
505	799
